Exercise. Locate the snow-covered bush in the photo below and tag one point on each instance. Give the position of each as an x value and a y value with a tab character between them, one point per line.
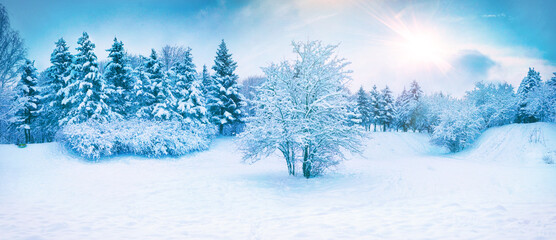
459	126
141	137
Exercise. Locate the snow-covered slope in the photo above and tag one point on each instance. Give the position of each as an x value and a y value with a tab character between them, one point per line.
516	144
401	187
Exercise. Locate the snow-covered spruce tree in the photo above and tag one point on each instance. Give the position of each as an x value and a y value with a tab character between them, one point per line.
143	99
301	111
26	104
160	107
206	82
459	126
185	77
416	108
56	78
119	83
402	111
224	100
374	102
364	108
387	108
528	85
84	95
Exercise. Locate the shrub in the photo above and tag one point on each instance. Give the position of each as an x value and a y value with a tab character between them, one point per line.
141	137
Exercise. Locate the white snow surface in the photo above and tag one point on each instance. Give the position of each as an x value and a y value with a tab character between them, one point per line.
401	187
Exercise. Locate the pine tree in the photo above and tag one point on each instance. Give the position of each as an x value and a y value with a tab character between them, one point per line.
144	97
364	108
206	80
26	108
119	83
224	100
185	75
57	76
387	108
416	109
402	111
415	90
163	102
528	85
196	110
374	102
84	95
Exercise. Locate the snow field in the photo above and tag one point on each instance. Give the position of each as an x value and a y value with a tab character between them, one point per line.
401	187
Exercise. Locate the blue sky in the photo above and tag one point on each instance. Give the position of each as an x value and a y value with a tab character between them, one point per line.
445	45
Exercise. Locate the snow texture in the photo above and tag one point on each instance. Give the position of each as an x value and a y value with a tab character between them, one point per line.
401	187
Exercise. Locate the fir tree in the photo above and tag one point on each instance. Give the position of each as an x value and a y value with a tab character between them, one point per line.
185	75
224	100
387	108
364	108
374	101
416	109
415	90
402	111
195	105
25	109
57	77
118	80
144	98
206	80
528	85
85	95
162	104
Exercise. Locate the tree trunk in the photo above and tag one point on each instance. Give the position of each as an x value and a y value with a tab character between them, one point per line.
306	163
221	129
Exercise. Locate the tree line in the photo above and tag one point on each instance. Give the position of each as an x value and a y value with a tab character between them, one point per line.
73	90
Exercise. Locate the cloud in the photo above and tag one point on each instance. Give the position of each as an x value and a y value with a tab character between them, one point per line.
473	63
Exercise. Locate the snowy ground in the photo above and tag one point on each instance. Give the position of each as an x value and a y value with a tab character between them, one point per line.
401	188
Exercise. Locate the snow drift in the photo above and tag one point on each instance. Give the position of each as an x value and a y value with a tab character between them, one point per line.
401	187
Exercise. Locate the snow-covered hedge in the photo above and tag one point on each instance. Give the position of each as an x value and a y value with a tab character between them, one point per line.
141	137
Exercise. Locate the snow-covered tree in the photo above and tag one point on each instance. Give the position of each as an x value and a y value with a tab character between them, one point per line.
459	126
434	106
496	103
56	79
224	100
551	98
375	107
301	111
387	108
144	98
84	95
364	108
529	85
160	107
119	82
402	111
26	104
416	108
185	75
206	81
249	90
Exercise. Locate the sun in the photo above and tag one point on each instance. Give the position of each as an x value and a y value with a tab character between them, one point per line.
423	48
